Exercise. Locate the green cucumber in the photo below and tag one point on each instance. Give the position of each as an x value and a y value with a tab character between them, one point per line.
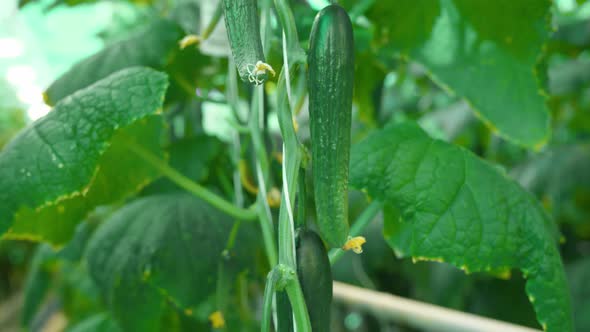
243	31
331	74
315	277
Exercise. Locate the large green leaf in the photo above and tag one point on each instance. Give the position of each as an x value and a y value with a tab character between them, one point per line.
456	208
101	322
194	157
152	46
560	176
578	274
157	249
37	283
72	278
484	51
62	166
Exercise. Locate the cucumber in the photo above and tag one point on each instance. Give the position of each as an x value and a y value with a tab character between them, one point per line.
243	32
315	277
330	82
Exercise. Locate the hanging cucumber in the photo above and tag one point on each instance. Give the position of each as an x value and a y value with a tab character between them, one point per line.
331	71
243	31
315	277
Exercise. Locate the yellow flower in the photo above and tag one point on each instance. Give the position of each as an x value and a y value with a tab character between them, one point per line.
355	243
217	320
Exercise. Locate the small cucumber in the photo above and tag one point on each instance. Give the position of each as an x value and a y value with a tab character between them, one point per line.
331	74
315	277
243	31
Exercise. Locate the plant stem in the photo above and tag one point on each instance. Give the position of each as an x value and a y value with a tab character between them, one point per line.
262	171
265	217
290	29
292	53
269	290
422	316
291	162
189	185
298	306
213	23
291	165
357	227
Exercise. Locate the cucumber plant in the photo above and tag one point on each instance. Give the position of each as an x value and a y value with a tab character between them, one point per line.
163	189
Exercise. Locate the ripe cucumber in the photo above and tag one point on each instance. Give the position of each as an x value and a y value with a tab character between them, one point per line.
315	277
331	74
243	31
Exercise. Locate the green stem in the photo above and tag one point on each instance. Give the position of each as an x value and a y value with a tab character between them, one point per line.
213	23
189	185
291	163
262	170
265	218
357	227
298	306
269	291
292	153
287	20
292	53
231	241
185	85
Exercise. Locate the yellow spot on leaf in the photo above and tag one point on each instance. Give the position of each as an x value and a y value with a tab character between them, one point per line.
274	197
217	320
188	311
278	156
355	243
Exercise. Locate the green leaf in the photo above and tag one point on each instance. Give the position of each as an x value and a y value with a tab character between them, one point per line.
578	274
484	51
74	159
457	208
37	283
560	177
45	264
156	249
153	46
11	121
101	322
193	157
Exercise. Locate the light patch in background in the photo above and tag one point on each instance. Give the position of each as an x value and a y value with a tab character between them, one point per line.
565	6
215	120
37	111
10	48
318	4
24	80
21	75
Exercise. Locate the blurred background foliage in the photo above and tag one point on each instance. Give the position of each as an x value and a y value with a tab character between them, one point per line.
40	40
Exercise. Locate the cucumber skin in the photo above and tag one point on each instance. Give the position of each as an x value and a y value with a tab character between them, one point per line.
315	276
243	31
331	75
